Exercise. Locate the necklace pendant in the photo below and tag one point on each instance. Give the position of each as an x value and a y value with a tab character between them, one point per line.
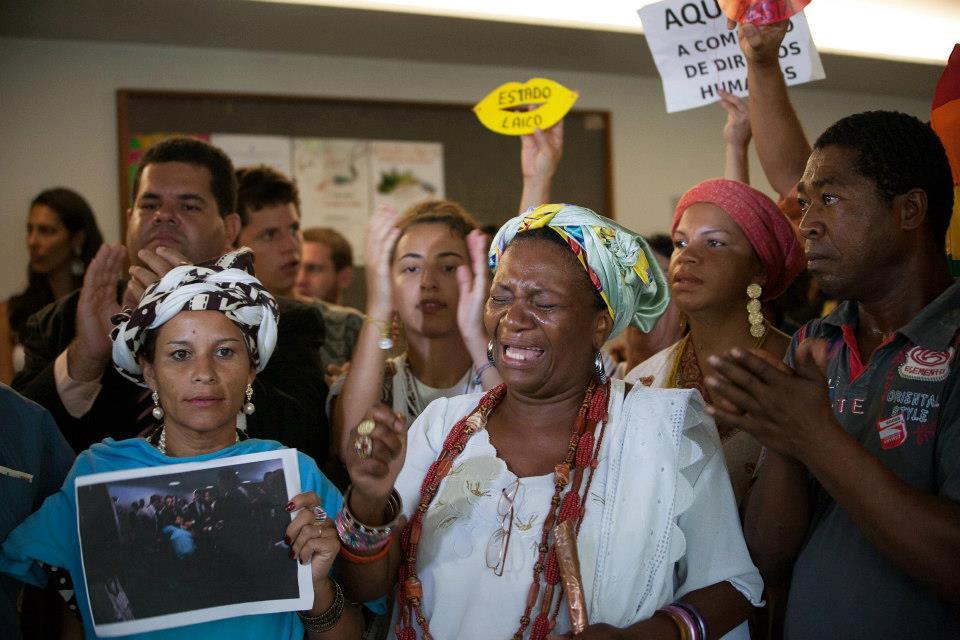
476	422
562	474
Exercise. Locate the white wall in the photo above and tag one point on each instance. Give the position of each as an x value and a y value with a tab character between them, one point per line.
58	118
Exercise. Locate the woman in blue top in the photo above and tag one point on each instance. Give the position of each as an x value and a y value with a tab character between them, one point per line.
197	339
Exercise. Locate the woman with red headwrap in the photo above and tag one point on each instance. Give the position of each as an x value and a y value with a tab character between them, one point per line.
733	249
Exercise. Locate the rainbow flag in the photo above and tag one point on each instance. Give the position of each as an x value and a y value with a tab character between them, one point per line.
945	120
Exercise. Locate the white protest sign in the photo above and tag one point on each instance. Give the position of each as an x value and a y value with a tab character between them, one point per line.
697	55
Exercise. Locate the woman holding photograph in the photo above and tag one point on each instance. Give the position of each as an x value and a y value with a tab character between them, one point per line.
197	339
636	474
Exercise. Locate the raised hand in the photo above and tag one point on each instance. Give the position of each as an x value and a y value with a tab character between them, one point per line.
761	43
474	284
89	353
382	235
736	130
540	152
473	281
540	155
373	472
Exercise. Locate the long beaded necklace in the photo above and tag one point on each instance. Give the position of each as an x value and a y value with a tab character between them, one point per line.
582	457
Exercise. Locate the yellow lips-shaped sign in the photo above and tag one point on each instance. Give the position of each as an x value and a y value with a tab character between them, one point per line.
517	109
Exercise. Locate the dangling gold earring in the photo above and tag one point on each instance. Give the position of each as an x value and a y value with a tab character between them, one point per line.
754	316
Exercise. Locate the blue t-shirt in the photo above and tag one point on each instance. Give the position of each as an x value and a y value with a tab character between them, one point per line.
50	535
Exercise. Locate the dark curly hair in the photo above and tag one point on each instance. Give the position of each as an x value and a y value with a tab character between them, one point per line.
262	186
898	153
223	184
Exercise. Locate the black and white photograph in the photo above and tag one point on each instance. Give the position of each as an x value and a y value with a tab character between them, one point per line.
190	543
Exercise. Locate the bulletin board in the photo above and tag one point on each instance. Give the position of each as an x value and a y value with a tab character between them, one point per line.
481	169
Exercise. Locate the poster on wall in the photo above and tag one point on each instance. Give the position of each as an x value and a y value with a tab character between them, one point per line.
343	181
252	150
405	173
333	177
697	55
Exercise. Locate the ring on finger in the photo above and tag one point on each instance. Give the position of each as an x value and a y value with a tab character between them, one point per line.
319	515
363	447
366	427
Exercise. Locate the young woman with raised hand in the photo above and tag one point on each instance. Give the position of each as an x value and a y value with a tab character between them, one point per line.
426	271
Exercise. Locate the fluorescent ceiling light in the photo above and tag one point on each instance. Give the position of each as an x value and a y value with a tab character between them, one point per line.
910	30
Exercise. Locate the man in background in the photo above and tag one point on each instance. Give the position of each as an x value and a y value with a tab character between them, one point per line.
268	204
326	265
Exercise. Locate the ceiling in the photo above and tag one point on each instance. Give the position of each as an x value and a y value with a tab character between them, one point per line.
313	29
914	30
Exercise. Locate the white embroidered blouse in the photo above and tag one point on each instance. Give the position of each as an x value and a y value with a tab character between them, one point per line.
660	519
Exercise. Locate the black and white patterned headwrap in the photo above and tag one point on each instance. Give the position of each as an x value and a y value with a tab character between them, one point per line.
227	285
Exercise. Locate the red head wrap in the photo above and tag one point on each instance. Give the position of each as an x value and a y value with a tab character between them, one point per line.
768	230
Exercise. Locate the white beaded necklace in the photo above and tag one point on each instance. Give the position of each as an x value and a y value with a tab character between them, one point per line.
162	441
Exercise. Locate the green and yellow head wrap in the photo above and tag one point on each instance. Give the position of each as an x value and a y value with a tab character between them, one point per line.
618	261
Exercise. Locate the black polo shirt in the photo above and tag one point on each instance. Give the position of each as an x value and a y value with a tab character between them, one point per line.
903	406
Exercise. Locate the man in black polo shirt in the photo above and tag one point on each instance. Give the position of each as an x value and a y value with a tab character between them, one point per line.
859	491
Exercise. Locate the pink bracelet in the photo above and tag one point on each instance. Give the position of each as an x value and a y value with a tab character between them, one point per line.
681	614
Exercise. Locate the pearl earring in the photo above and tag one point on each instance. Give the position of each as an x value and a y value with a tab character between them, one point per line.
248	407
157	411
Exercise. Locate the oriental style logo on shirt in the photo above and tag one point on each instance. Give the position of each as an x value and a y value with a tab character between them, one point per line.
924	364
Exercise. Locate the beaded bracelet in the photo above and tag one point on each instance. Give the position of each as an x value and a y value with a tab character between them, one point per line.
696	615
357	559
329	618
479	371
365	539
